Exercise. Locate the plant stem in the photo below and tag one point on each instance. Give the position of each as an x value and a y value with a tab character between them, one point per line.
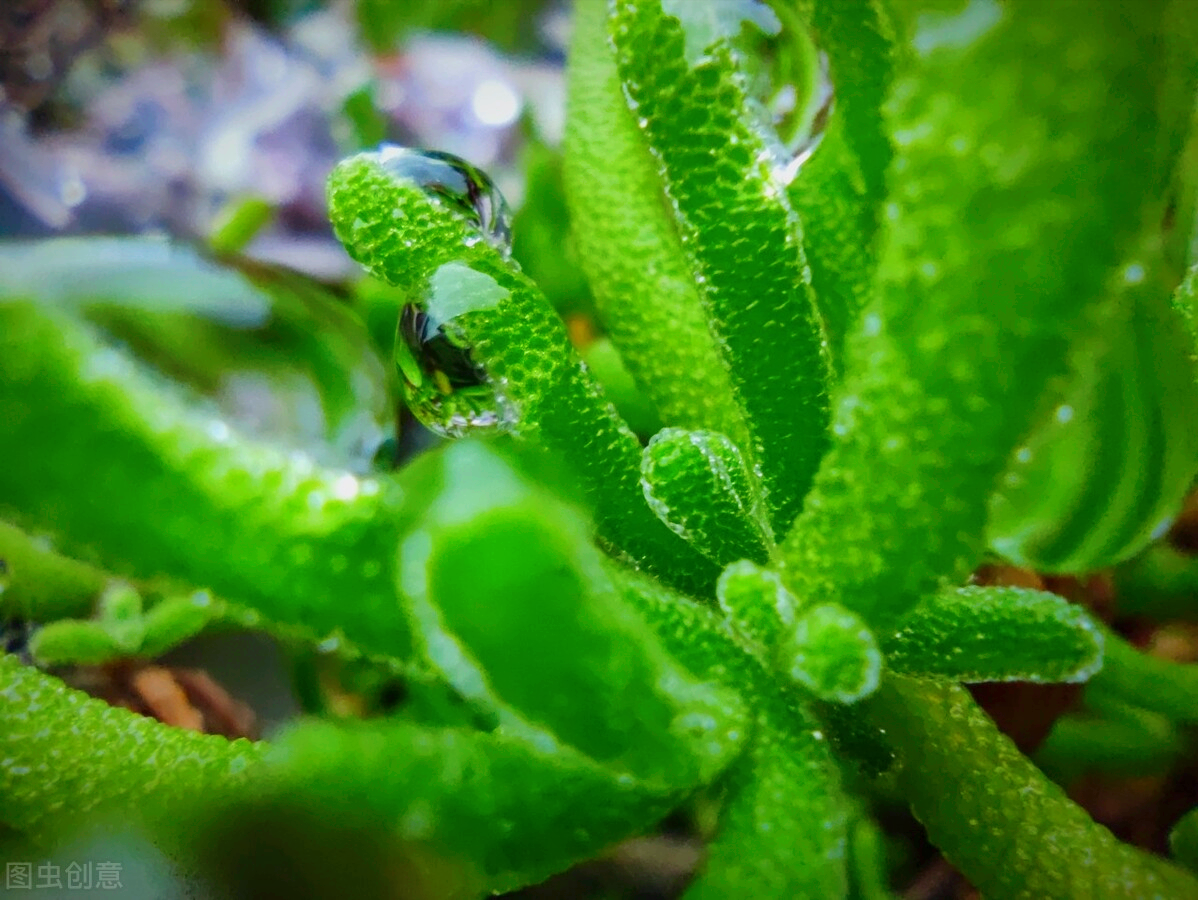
994	815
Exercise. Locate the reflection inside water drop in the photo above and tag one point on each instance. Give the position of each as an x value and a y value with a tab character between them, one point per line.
446	388
455	182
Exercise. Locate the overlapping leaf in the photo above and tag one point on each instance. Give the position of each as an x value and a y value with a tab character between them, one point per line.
1016	196
405	237
644	287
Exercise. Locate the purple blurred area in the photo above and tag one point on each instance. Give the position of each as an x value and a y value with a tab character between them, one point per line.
112	123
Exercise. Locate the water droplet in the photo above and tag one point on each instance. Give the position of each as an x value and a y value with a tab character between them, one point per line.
445	387
456	183
1133	273
331	644
810	124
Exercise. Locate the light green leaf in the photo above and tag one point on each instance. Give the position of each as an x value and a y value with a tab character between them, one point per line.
538	385
629	247
726	177
165	488
697	484
839	192
514	609
832	653
71	641
507	811
1159	685
1107	472
1018	191
783	826
756	602
1011	831
65	756
996	634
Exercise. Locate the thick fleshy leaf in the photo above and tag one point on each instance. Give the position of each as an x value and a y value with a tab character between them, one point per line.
1161	583
831	652
65	756
839	192
1018	192
756	602
783	825
1115	740
498	811
724	174
629	247
1183	840
1109	469
274	354
697	484
1149	682
1009	829
39	585
996	634
512	606
503	338
165	489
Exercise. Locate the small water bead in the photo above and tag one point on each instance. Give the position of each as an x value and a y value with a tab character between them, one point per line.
445	387
458	184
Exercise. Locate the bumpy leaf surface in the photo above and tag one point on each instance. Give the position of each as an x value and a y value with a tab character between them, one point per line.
643	284
1008	826
1016	194
723	178
996	634
403	236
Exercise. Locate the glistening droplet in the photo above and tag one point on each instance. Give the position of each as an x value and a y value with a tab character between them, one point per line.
446	388
456	183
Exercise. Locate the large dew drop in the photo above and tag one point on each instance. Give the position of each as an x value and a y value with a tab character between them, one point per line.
455	182
446	388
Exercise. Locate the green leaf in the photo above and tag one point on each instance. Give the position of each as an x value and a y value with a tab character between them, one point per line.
634	406
1108	470
65	757
697	484
170	622
1161	583
783	825
996	634
71	641
756	602
120	615
1183	840
220	332
121	467
838	193
726	180
1159	685
1118	740
1010	831
832	653
417	241
509	598
40	585
1018	191
508	811
629	247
